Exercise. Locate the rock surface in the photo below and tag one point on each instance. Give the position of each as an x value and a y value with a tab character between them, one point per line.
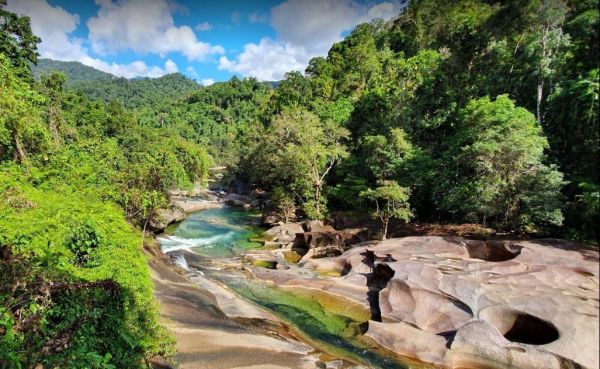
208	338
190	205
164	217
238	200
461	303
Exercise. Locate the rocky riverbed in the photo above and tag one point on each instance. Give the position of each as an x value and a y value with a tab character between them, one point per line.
330	299
462	303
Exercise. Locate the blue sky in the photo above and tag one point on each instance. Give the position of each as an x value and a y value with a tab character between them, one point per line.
206	41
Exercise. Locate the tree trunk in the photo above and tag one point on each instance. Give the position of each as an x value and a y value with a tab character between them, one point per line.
385	222
540	96
19	153
318	198
54	125
144	231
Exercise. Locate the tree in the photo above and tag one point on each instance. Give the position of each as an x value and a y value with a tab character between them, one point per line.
493	165
391	202
283	202
549	39
298	152
17	41
21	128
385	155
53	86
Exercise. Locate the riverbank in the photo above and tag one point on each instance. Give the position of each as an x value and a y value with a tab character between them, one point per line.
444	300
207	338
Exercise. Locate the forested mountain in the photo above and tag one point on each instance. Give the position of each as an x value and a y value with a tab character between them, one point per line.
219	115
482	112
131	93
75	71
138	93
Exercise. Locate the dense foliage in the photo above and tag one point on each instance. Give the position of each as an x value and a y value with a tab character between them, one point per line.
79	179
75	71
485	111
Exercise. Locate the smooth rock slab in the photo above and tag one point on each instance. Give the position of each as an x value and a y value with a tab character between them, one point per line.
530	303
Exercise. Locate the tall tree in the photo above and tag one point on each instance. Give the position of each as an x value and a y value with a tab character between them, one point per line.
17	41
299	152
53	86
494	170
549	38
21	127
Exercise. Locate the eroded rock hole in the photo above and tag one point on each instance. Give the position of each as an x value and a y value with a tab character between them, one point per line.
531	330
493	251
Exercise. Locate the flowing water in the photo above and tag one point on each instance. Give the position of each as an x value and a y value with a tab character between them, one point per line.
220	236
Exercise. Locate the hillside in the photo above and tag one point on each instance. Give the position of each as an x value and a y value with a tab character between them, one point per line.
132	93
136	93
75	71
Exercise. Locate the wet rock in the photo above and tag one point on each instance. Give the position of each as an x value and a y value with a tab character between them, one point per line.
325	240
164	217
285	233
323	252
271	218
238	200
291	257
261	259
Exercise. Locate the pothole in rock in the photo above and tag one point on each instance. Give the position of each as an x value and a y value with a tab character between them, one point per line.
531	330
492	251
521	327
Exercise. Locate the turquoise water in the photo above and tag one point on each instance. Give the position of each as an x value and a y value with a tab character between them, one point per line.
226	232
215	232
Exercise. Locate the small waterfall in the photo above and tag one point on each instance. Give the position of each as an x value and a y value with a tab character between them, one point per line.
181	262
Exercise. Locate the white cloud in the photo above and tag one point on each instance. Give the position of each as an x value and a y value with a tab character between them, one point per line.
144	26
256	17
267	60
171	67
305	29
204	26
314	24
135	69
54	25
207	82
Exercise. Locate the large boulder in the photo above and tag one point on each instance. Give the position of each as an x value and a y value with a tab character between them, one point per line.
238	200
164	217
285	233
325	237
190	205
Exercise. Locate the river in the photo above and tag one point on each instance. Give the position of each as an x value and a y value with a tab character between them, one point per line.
220	237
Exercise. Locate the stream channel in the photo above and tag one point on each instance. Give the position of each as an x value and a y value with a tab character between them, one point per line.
220	237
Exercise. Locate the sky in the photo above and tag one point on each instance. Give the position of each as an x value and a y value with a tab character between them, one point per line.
207	41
